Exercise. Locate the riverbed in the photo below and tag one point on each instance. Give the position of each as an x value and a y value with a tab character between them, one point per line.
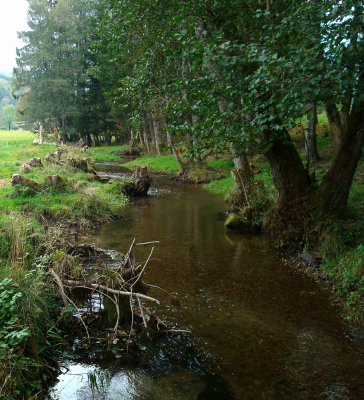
259	330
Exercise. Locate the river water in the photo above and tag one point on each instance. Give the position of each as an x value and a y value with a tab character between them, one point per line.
259	330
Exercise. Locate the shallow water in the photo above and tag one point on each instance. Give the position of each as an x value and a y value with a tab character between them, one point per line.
259	330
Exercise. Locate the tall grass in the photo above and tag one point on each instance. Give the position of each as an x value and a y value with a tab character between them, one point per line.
27	309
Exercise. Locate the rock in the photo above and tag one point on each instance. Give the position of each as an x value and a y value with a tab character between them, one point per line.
35	162
62	150
30	164
79	164
25	168
311	259
18	179
242	221
54	180
52	158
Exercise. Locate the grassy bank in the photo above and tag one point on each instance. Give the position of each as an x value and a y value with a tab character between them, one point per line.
33	236
107	154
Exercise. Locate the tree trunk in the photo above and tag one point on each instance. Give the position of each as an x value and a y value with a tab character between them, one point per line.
174	152
335	124
333	192
169	137
107	138
288	172
88	140
96	141
242	163
146	140
151	129
141	137
194	140
310	136
132	143
157	135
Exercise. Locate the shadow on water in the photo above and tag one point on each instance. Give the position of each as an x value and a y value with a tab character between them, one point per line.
259	329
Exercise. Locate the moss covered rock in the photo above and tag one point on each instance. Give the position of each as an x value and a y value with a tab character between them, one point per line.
242	221
21	180
55	180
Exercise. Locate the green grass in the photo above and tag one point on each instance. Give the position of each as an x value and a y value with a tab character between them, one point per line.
222	163
222	186
29	323
166	164
106	154
81	201
16	148
322	119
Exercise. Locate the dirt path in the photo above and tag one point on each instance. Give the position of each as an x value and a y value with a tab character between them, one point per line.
4	182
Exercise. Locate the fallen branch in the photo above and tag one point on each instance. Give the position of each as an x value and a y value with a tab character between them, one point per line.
85	285
60	285
146	243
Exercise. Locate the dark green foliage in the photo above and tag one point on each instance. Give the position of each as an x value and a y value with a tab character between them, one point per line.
243	75
57	78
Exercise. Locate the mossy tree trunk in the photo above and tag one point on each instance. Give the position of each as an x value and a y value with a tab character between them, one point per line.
335	119
289	176
333	192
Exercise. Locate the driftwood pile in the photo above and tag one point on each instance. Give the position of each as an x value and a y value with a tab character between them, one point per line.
115	284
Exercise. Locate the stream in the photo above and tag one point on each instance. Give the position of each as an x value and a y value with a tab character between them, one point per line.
259	330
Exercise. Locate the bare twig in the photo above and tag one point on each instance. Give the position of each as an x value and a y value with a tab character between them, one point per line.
142	313
60	285
141	273
120	292
74	305
123	265
132	318
146	243
118	313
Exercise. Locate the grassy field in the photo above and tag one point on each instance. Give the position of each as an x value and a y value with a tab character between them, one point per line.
106	154
16	148
82	199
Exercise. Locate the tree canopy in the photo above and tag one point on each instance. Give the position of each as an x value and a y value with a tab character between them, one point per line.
228	74
56	69
8	115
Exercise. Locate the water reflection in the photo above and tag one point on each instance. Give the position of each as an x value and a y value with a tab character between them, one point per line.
259	329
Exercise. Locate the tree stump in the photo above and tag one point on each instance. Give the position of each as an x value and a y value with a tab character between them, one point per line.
140	183
18	179
54	180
